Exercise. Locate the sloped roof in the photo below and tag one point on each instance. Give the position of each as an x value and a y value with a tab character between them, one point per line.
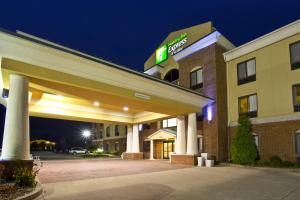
163	134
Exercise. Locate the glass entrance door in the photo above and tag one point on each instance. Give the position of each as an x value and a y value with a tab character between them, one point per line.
168	146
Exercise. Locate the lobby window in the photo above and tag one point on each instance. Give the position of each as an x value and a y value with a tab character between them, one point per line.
117	131
167	123
246	71
248	105
296	96
295	55
297	142
108	131
196	79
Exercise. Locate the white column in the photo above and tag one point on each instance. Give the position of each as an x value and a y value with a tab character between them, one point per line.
151	150
181	140
135	139
15	144
129	139
192	146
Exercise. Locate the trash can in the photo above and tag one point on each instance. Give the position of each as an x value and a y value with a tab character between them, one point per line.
209	163
201	161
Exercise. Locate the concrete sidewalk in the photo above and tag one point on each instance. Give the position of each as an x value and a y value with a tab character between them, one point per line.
189	183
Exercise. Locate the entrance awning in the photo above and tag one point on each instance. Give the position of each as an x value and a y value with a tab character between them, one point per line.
67	84
163	134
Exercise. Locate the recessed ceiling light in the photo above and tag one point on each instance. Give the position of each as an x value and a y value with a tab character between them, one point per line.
96	103
125	108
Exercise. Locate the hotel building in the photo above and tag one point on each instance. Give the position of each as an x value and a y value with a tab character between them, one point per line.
263	82
191	58
194	87
109	137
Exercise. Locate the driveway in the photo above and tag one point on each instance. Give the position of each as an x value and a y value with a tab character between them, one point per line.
175	182
69	170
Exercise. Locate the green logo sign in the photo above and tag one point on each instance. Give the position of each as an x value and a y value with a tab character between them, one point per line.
161	54
172	48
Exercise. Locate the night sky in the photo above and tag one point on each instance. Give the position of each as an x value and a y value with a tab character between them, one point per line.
127	32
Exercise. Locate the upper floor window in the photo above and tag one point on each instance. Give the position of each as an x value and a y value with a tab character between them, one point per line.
167	123
172	76
246	71
117	131
296	96
295	55
248	105
108	131
196	78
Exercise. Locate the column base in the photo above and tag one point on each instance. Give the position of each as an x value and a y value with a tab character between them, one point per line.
12	165
133	156
184	159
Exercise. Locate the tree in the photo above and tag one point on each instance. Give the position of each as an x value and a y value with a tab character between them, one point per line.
243	148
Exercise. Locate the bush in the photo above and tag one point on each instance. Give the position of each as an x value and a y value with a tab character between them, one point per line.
25	177
275	161
262	163
243	148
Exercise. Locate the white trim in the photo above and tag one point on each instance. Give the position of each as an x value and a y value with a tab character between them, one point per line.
153	70
202	43
282	118
265	40
196	68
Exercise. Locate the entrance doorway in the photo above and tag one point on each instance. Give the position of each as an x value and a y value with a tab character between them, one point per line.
168	147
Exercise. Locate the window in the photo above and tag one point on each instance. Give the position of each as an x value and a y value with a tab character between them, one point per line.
295	55
296	96
248	105
255	138
172	76
297	142
246	71
117	147
108	131
196	79
101	135
169	123
117	132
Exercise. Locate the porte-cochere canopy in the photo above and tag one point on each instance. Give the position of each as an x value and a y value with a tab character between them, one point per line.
67	84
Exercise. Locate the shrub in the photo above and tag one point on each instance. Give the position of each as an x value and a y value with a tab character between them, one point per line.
243	148
25	177
275	161
288	164
262	163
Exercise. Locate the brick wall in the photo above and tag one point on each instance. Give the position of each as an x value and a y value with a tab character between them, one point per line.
277	138
214	86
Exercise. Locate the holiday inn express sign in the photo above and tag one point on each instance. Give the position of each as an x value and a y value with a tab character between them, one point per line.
172	48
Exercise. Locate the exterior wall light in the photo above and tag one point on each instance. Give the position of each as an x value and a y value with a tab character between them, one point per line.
96	103
209	114
5	93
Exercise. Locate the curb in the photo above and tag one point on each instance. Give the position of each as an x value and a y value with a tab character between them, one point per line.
38	191
291	169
